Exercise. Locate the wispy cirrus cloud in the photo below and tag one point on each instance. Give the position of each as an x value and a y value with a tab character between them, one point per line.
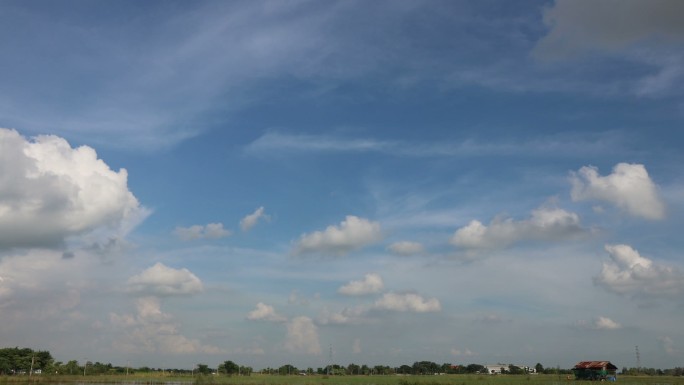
274	143
406	248
598	323
208	231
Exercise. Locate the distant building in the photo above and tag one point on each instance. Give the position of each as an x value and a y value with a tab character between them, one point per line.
503	368
595	370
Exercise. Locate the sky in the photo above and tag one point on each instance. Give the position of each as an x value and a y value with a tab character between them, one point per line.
307	182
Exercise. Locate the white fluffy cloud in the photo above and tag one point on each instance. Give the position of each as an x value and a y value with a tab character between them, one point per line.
408	302
266	313
371	283
151	330
252	219
209	231
164	281
544	224
599	323
352	234
406	248
302	336
628	273
50	191
629	187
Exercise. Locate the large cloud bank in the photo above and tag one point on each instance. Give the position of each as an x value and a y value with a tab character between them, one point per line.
50	191
581	25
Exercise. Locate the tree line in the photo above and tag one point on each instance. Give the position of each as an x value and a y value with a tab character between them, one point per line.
26	361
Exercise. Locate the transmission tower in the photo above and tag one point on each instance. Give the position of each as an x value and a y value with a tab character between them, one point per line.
638	359
330	361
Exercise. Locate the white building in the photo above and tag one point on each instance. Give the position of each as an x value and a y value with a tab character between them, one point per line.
500	368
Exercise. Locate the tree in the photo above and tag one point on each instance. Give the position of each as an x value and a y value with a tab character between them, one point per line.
245	370
353	369
512	369
203	369
425	367
405	369
475	368
287	370
230	368
72	367
539	368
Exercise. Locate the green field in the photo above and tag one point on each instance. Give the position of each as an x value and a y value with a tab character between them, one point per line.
257	379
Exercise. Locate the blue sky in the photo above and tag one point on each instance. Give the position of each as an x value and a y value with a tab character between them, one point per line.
393	181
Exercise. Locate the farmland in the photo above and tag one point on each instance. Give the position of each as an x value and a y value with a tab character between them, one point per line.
264	379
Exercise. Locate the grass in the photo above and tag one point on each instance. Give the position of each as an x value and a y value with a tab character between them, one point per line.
257	379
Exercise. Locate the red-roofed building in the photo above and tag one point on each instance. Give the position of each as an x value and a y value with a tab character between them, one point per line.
595	370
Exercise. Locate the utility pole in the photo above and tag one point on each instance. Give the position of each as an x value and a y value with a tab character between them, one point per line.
638	360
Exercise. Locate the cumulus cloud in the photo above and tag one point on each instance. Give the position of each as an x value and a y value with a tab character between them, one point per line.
352	234
353	315
302	336
408	302
266	313
252	219
628	273
356	346
209	231
668	345
629	188
371	283
598	323
161	280
50	191
406	248
151	330
544	224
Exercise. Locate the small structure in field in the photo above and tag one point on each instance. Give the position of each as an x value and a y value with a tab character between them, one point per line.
595	371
